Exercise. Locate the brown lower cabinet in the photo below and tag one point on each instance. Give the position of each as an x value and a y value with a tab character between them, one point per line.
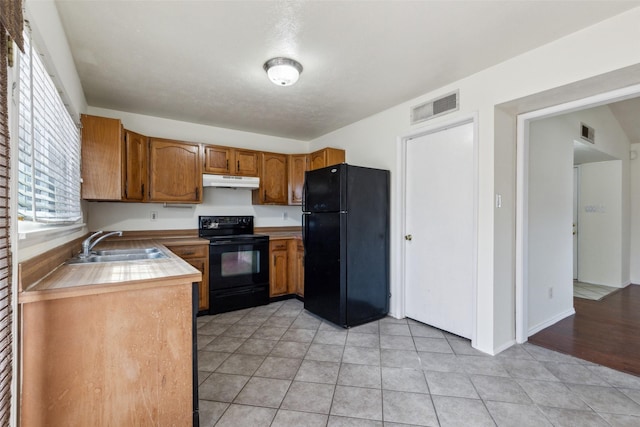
197	256
286	271
121	358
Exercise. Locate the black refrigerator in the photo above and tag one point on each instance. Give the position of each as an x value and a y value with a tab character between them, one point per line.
345	225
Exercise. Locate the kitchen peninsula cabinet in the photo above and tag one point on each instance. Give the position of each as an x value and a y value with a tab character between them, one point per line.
273	180
111	359
298	165
175	171
326	157
230	161
198	257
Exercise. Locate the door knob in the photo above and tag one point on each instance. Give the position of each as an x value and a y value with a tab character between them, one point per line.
408	237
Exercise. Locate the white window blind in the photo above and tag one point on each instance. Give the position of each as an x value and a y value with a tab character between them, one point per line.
49	148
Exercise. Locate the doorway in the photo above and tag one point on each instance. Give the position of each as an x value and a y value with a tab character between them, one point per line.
525	286
440	227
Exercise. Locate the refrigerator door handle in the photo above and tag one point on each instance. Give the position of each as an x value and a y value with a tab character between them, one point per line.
304	196
304	231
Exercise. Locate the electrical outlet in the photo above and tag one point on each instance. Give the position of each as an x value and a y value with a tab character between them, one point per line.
550	293
154	215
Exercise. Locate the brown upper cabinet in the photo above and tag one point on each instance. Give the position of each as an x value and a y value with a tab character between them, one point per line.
298	165
134	166
175	172
114	160
326	157
102	158
273	180
230	161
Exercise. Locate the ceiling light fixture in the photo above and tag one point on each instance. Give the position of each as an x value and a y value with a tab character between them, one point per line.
283	71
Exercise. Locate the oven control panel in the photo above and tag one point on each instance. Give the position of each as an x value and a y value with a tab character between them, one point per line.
226	225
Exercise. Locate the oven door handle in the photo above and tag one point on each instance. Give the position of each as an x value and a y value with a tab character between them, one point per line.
238	242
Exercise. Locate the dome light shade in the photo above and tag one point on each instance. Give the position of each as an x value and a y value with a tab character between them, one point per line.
283	71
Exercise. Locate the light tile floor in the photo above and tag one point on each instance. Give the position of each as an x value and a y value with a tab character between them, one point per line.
278	365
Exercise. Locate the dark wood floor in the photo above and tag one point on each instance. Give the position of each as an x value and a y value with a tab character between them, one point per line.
606	332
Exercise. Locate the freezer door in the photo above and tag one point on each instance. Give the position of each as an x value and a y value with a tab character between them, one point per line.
324	293
324	189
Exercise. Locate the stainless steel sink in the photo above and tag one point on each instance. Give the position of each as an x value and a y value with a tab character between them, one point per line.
115	255
133	251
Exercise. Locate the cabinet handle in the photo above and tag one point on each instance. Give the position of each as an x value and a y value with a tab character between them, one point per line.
265	196
238	166
142	190
197	193
227	164
188	253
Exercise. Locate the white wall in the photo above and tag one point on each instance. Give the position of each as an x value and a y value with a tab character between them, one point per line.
600	251
550	213
635	214
373	141
216	201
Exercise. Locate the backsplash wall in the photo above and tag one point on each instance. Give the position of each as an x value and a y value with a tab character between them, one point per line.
216	201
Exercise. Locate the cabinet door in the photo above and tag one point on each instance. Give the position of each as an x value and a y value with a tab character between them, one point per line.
326	157
218	159
135	165
175	173
296	267
278	270
297	167
102	157
246	162
197	256
273	180
317	160
203	286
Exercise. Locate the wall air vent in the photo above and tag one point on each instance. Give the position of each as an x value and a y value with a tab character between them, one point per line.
435	107
587	133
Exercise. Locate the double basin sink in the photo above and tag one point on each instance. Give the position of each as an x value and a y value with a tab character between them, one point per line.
114	255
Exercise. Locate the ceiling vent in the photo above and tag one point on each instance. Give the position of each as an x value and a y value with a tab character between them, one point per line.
435	108
587	133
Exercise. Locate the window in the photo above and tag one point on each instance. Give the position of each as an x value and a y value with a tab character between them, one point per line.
49	148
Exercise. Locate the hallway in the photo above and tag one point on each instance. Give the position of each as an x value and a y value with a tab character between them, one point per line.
604	332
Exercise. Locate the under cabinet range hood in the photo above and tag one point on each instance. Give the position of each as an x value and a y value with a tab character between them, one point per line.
228	181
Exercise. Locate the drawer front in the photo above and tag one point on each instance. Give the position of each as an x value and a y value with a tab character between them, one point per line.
278	245
185	252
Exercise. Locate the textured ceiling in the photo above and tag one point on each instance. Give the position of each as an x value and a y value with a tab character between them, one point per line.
201	61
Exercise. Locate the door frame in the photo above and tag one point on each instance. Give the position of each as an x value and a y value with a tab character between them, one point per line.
400	204
522	188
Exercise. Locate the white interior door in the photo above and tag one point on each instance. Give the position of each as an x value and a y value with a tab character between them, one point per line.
439	218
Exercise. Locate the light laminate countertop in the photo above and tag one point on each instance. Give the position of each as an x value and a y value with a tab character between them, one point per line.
70	280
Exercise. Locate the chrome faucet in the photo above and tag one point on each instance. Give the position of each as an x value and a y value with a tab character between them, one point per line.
87	244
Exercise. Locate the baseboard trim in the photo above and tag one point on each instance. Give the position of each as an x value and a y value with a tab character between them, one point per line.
554	319
503	347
